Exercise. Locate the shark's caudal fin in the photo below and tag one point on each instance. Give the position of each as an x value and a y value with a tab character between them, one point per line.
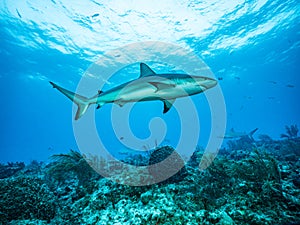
253	131
82	102
250	135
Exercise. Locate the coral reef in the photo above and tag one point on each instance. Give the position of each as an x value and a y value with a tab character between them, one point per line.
26	198
172	161
253	182
10	169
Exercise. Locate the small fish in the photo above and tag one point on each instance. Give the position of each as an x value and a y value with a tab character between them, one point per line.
95	15
289	85
220	78
272	82
124	153
18	13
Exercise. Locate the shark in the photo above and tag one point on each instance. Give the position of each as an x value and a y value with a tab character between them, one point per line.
149	86
232	134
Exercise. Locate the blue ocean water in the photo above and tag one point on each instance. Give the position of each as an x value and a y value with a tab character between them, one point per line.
252	47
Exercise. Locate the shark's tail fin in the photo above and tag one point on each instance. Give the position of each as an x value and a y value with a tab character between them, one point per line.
82	102
251	134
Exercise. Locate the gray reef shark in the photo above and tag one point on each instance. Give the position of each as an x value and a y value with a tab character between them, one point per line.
233	134
148	87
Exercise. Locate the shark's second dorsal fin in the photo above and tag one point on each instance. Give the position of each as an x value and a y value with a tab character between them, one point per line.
146	71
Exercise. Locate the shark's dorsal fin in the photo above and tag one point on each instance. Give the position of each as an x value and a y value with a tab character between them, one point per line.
146	71
168	104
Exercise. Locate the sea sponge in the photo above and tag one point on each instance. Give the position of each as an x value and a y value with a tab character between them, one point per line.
173	162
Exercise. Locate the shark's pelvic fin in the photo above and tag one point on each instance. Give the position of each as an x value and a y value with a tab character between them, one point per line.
146	70
82	102
168	104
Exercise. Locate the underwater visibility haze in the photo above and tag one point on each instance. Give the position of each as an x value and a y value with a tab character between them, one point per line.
251	48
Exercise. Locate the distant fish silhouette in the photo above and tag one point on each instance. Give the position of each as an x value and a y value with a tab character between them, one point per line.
290	86
18	13
124	152
273	82
232	134
95	15
248	97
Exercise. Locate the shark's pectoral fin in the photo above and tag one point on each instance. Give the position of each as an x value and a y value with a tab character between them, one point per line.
168	104
160	85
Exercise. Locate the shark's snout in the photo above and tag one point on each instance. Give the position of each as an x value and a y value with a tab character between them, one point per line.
211	82
206	82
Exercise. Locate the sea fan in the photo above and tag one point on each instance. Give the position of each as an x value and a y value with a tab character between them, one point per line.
291	132
74	163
